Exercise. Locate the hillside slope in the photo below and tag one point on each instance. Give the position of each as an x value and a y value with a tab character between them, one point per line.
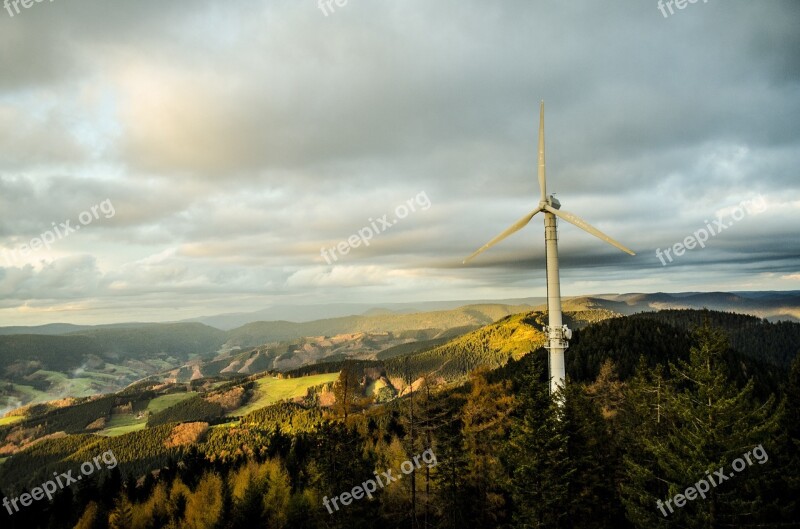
491	346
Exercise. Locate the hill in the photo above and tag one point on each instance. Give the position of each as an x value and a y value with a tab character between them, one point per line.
231	421
491	346
88	361
57	360
471	315
769	305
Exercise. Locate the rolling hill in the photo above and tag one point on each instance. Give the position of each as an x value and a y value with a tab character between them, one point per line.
491	346
87	361
57	360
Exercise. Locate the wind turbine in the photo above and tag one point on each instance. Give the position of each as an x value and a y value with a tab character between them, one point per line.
558	334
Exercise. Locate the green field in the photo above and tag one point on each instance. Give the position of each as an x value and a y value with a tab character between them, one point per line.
167	401
88	384
270	390
29	393
5	421
123	423
74	387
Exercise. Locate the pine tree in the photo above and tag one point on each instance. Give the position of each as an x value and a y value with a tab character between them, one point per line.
276	500
121	517
485	419
347	390
642	417
450	478
607	390
90	519
788	457
433	414
536	455
592	501
710	423
204	505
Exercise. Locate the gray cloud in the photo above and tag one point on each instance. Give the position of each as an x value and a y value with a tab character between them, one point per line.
237	140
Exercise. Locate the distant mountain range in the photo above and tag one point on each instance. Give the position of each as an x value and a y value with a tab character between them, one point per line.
57	360
308	313
772	305
36	364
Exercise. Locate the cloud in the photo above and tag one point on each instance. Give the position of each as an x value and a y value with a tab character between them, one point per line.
235	140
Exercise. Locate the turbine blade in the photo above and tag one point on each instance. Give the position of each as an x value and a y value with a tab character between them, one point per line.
585	226
542	178
521	223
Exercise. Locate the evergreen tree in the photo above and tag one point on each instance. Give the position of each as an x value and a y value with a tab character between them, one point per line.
121	516
303	511
592	501
642	417
710	423
347	390
485	419
204	505
536	455
276	500
607	390
787	458
450	478
249	509
91	517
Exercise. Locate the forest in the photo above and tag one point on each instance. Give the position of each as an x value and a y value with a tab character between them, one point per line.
653	404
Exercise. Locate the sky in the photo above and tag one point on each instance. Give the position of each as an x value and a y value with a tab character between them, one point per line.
166	160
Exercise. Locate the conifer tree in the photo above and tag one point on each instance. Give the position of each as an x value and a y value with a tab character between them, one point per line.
122	516
536	455
592	501
710	423
450	478
204	505
642	417
90	519
485	418
347	390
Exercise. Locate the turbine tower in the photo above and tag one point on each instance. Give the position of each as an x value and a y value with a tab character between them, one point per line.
558	334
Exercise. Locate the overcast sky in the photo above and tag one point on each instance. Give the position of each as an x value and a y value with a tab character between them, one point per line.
224	144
